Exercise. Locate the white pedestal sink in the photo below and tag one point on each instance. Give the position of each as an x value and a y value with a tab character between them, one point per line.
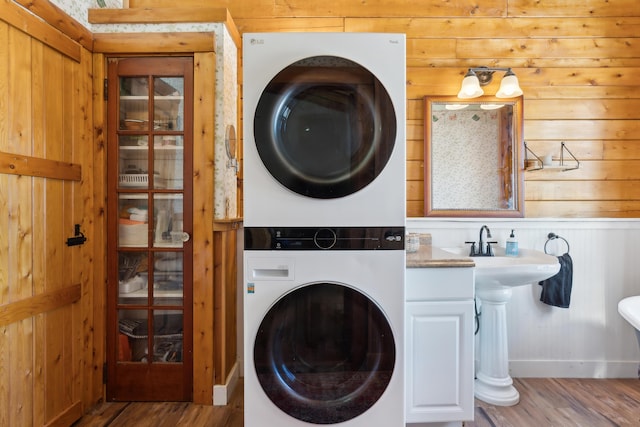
494	278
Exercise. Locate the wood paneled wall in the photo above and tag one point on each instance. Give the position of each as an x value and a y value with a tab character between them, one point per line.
48	324
578	64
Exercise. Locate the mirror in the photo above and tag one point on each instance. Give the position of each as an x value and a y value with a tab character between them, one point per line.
473	159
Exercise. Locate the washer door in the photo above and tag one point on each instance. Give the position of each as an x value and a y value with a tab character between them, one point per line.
324	353
325	127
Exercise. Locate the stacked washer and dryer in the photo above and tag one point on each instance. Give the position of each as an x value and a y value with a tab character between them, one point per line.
324	215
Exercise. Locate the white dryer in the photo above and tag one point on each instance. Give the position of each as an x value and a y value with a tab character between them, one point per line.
324	129
323	319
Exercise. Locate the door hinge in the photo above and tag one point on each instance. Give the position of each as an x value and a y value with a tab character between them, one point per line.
105	89
104	373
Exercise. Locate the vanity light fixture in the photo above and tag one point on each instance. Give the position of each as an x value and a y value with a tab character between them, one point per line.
482	76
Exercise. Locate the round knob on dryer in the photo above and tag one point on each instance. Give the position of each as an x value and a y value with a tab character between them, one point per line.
325	238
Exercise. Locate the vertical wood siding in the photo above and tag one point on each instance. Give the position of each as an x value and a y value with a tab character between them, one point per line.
577	63
46	288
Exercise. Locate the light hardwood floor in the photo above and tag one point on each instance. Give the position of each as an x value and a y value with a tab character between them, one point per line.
544	402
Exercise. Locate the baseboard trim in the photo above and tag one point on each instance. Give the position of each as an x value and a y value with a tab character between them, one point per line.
222	392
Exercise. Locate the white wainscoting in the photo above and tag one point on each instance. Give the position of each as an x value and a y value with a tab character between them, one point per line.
587	340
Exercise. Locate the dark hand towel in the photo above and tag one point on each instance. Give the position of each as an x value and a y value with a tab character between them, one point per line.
556	290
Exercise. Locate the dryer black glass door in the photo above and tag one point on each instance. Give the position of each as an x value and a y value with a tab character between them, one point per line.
324	353
325	127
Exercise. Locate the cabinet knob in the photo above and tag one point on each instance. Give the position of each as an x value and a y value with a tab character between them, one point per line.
185	236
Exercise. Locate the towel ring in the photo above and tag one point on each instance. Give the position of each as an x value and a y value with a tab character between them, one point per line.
553	236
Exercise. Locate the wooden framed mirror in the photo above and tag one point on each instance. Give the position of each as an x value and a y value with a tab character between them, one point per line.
474	157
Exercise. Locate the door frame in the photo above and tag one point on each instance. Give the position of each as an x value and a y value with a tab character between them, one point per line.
202	47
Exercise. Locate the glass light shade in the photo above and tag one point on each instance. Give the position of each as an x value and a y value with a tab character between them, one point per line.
491	106
455	107
509	86
470	87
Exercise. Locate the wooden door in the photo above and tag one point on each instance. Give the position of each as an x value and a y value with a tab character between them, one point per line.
149	261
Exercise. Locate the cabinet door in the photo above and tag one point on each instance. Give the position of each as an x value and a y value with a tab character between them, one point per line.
439	369
149	289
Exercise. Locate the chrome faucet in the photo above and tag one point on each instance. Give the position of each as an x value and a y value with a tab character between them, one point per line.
482	250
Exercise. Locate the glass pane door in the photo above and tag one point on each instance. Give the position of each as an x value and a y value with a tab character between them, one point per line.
150	310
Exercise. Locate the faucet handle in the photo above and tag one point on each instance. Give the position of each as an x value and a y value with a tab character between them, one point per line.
473	251
490	249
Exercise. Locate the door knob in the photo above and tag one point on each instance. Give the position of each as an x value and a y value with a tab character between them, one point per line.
178	237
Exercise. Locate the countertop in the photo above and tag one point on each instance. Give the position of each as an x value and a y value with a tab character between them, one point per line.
429	256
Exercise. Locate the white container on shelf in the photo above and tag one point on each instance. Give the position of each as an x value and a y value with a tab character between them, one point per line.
132	234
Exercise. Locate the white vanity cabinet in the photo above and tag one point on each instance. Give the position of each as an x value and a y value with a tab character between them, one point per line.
439	337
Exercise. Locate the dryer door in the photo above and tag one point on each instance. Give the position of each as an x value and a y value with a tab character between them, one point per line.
325	127
324	353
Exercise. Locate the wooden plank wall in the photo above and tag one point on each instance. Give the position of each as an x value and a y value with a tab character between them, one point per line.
47	299
225	301
577	62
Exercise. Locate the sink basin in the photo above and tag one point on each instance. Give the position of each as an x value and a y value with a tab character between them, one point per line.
529	266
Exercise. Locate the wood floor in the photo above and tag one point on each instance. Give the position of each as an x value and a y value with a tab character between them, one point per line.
544	402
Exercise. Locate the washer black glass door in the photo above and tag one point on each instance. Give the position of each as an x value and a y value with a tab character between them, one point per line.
324	353
325	127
